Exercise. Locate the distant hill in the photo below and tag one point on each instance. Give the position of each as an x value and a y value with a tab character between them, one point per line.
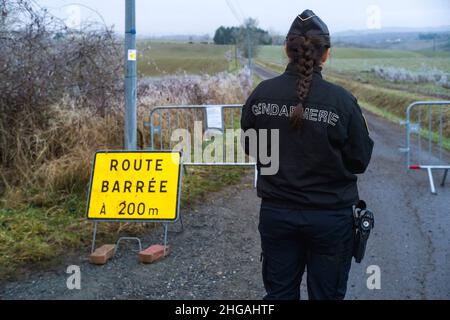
414	39
388	30
180	38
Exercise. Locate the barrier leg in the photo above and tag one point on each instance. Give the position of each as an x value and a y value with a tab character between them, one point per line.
256	175
430	177
181	222
165	238
94	236
444	177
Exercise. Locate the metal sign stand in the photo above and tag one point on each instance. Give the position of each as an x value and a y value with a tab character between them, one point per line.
128	238
165	234
181	229
165	224
444	177
94	237
130	76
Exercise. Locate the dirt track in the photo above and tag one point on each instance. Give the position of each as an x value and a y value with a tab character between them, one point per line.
217	257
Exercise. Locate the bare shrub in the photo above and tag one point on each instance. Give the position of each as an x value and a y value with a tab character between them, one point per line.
402	75
62	99
42	62
57	158
191	89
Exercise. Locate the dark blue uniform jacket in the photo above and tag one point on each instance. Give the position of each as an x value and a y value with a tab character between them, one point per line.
319	162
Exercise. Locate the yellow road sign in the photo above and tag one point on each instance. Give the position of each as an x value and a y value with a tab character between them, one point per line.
135	186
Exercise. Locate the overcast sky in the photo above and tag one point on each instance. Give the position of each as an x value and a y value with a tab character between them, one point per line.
169	17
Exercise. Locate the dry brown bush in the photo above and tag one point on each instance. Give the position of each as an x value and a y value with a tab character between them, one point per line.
57	158
42	62
62	100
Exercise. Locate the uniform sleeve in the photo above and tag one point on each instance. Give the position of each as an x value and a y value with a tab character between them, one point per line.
357	149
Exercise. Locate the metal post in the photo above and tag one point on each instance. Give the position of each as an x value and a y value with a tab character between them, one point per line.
182	225
419	137
236	54
128	238
444	177
430	137
94	236
440	133
130	75
249	49
165	238
256	176
430	178
408	129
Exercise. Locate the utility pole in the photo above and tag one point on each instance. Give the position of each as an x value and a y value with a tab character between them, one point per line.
236	55
130	76
235	36
249	48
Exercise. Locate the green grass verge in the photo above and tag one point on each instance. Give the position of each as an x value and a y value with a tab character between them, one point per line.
159	59
38	228
40	236
357	63
409	59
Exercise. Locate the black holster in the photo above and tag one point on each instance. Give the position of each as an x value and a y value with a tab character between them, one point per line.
363	223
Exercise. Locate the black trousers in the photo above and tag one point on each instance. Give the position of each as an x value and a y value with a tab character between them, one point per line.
292	239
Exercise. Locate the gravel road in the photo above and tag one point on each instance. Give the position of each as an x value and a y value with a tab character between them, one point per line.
217	257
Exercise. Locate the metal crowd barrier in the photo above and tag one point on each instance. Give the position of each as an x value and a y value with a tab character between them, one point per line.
165	119
428	139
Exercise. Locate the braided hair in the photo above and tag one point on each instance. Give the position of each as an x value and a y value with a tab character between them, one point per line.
305	53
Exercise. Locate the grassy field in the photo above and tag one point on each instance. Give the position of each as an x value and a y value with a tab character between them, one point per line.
359	64
158	59
350	68
360	58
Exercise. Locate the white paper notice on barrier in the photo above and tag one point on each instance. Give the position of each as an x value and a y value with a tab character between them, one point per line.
214	117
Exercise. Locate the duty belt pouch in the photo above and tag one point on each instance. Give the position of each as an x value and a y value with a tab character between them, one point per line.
363	224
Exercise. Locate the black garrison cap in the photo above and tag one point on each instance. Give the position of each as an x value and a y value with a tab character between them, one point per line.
308	24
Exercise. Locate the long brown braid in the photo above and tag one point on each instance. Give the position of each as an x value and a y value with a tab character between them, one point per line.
305	53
